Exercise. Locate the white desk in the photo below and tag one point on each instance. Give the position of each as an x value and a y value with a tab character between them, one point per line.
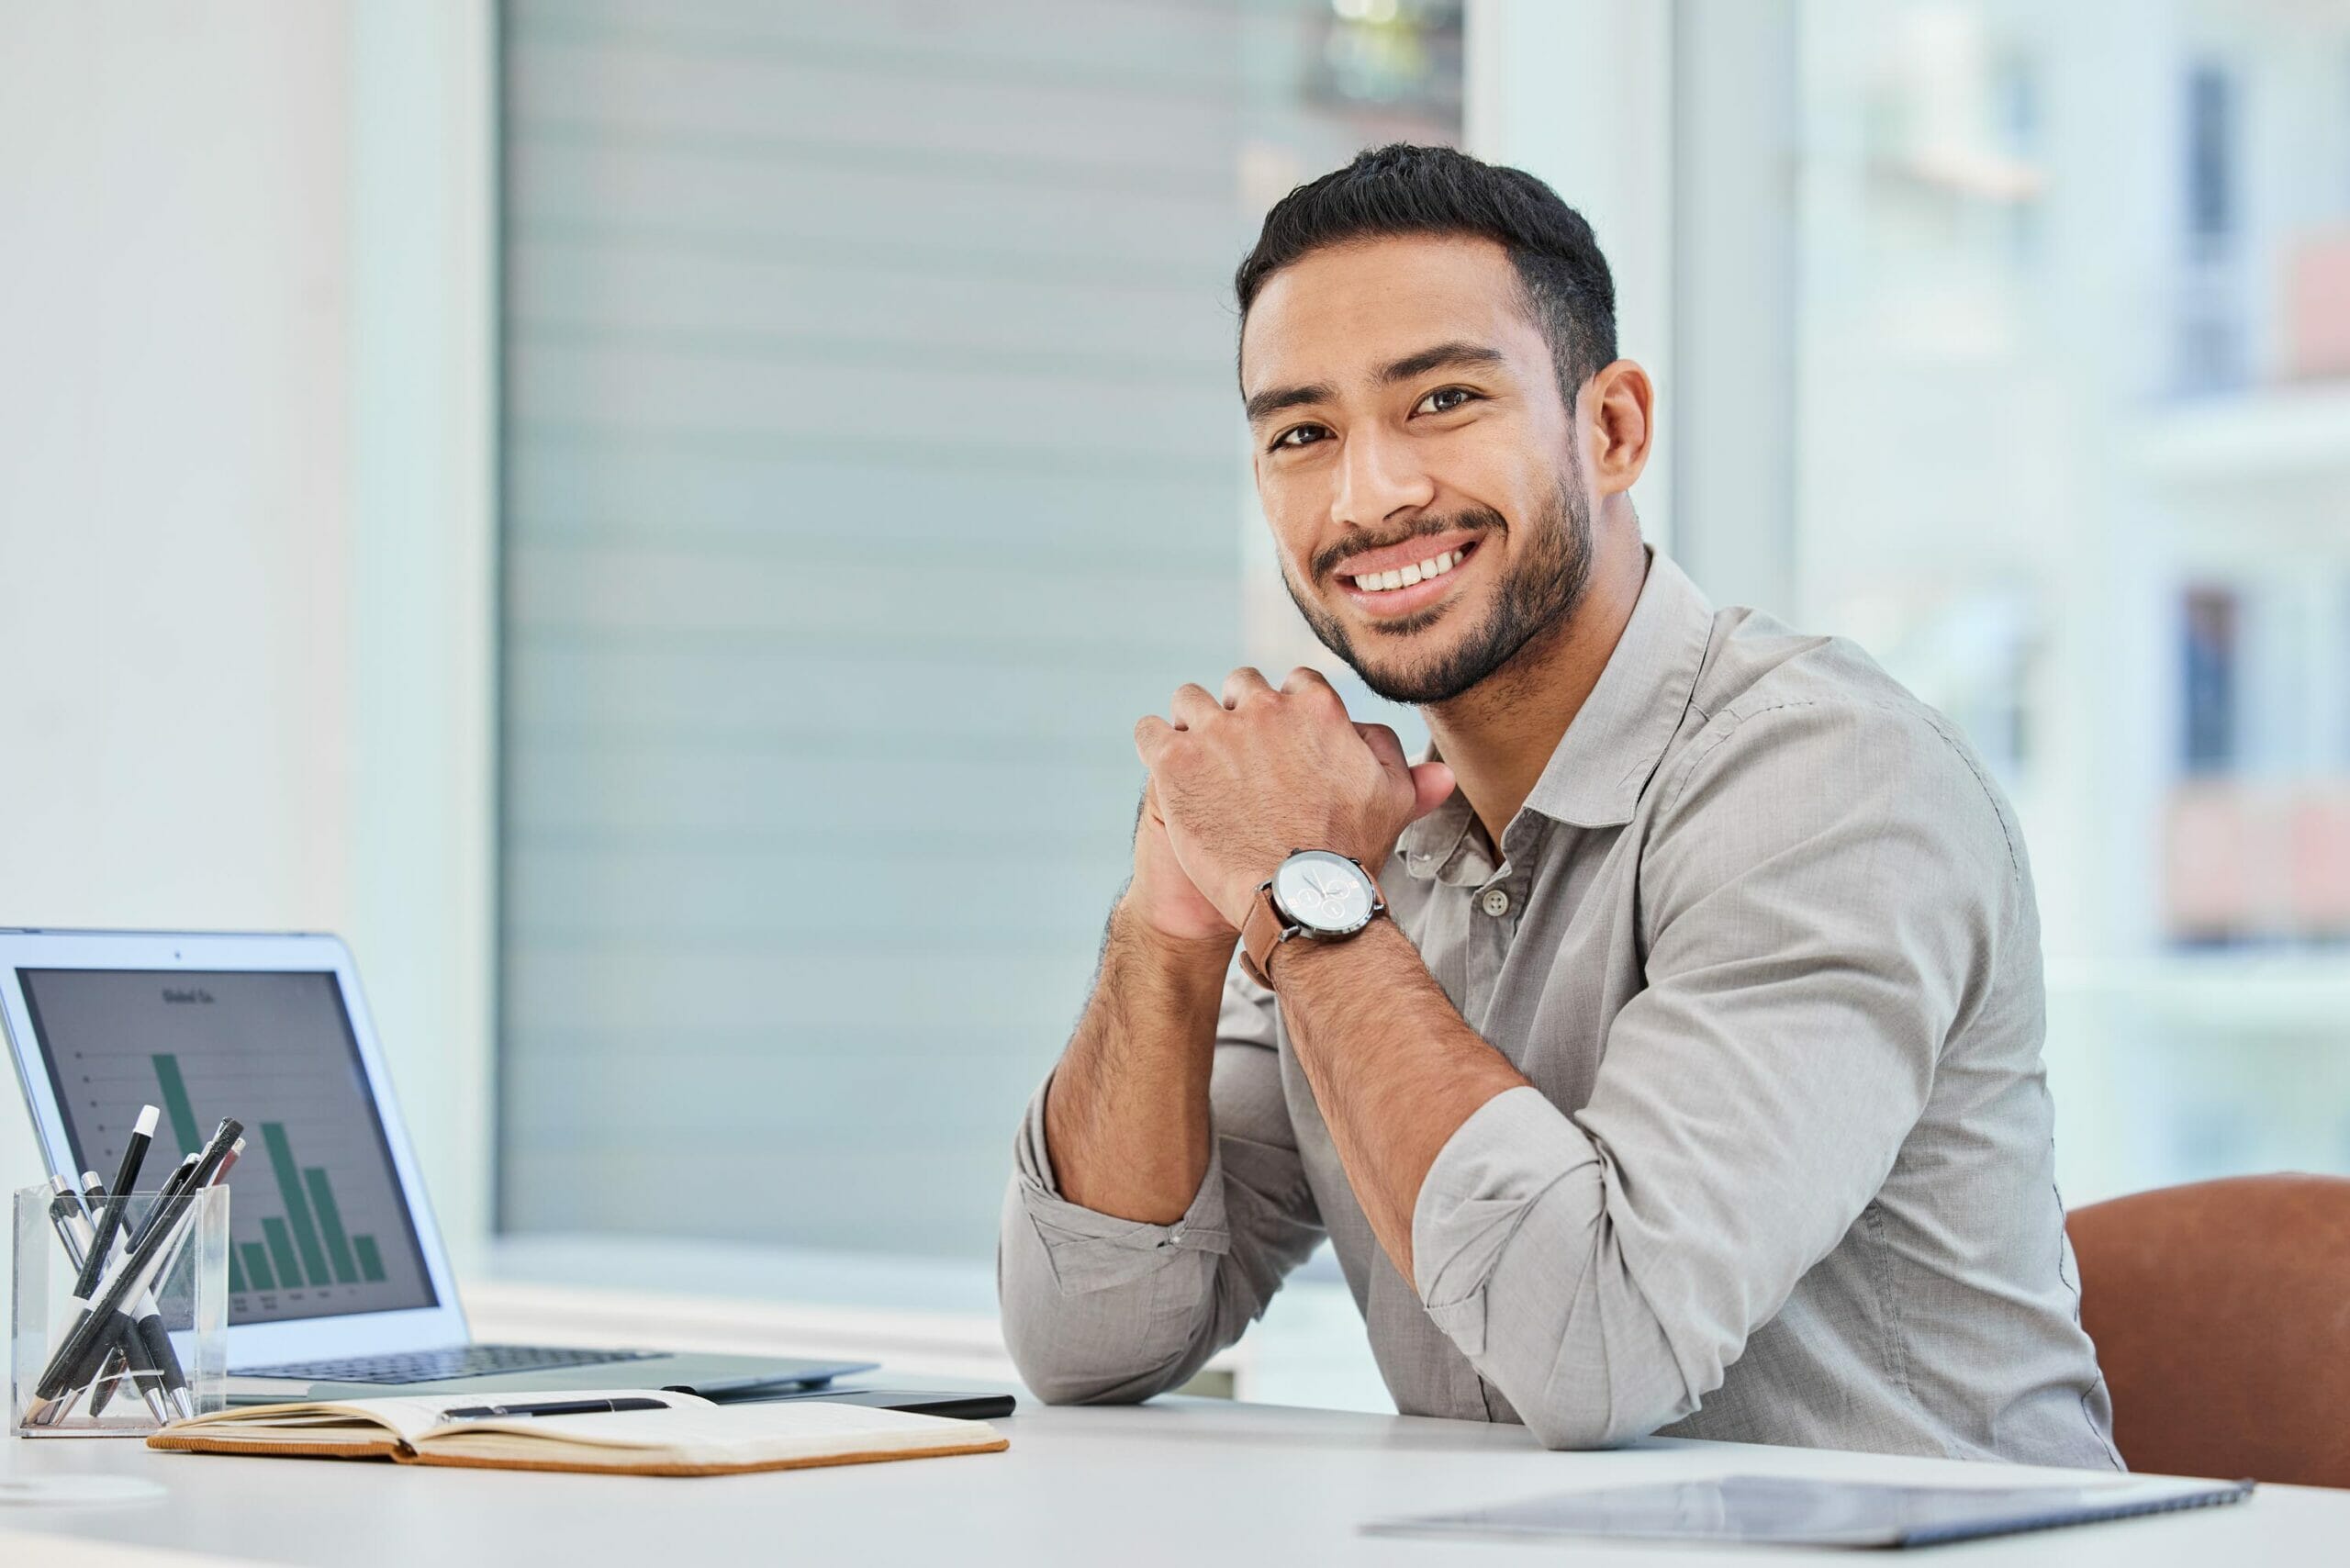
1195	1481
924	1319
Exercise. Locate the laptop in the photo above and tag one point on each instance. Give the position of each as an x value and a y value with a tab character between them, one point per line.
338	1286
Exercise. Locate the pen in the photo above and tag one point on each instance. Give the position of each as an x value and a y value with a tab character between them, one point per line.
171	1184
559	1407
110	1375
73	1225
150	1315
134	1154
147	1344
86	1342
117	1365
132	1352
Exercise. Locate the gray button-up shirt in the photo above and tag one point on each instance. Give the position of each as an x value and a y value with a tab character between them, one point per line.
1763	939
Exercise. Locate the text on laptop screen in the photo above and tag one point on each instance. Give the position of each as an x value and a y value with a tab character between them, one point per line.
316	1222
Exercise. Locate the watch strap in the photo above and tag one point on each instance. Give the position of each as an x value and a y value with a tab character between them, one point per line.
1262	933
1265	929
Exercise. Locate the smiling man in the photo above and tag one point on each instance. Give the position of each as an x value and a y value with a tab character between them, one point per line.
1665	1057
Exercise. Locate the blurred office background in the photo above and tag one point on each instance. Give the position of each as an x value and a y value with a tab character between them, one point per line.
655	519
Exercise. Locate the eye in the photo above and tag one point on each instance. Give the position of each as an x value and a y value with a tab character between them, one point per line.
1310	432
1444	400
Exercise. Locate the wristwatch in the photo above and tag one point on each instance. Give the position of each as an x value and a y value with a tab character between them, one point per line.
1315	893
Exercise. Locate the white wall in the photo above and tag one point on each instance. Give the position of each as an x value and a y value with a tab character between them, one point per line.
245	506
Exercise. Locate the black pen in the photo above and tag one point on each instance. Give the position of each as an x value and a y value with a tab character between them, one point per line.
147	1340
129	1362
117	1366
134	1154
150	1317
85	1344
72	1221
126	1241
559	1407
171	1184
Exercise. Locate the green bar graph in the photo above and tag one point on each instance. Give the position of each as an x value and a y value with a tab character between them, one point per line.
280	1247
298	1207
257	1261
176	1102
330	1222
309	1244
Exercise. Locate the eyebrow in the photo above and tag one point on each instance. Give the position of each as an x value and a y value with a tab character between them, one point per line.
1443	356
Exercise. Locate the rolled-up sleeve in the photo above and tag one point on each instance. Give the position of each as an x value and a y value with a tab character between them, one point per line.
1824	887
1106	1310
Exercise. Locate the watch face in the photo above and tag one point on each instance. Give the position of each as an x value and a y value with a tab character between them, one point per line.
1326	893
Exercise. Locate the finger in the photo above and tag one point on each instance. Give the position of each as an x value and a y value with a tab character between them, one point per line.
1153	734
1192	705
1432	785
1386	746
1310	684
1305	677
1243	682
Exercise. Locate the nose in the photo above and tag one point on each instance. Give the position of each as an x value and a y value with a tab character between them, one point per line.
1379	476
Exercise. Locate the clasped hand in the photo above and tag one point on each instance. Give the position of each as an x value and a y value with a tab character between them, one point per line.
1236	784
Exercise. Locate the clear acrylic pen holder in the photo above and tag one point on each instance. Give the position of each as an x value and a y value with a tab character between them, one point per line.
161	1355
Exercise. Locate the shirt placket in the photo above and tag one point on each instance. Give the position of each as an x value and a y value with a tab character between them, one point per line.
1495	904
1495	907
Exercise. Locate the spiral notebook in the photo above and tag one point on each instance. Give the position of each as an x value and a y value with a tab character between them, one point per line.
1779	1511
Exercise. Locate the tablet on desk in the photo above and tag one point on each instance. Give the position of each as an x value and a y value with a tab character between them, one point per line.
963	1406
1784	1510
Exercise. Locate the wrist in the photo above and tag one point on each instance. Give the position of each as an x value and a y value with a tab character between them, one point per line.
1351	961
1315	898
1176	954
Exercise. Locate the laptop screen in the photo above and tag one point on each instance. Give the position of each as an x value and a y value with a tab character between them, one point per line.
316	1222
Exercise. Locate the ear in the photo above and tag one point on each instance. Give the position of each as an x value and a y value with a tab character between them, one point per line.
1618	426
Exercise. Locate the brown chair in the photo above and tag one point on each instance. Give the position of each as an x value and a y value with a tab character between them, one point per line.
2221	1317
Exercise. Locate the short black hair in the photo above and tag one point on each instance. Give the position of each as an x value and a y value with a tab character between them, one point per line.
1402	189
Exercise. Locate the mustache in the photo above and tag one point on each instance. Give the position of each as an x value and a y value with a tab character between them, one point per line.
1484	519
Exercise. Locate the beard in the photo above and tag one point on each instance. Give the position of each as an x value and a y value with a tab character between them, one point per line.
1545	584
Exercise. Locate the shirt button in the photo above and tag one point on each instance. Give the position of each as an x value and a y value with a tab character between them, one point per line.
1495	903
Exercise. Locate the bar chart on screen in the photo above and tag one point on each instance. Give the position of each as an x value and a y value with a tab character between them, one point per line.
317	1223
308	1245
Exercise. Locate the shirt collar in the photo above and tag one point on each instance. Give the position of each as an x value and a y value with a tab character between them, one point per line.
1616	739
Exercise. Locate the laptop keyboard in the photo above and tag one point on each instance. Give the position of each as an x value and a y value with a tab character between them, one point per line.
455	1360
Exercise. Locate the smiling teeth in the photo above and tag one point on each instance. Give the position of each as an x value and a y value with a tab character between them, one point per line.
1405	577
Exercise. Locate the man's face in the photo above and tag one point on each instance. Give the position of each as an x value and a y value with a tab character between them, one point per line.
1415	460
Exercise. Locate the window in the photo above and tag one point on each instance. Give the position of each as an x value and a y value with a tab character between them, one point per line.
2086	495
872	461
